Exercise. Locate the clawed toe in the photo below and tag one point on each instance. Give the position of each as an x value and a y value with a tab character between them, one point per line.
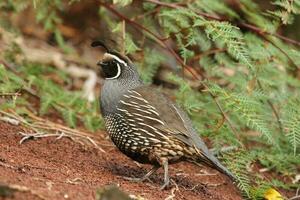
153	170
164	186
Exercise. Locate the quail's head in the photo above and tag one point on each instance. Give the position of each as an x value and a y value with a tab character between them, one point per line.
116	66
113	65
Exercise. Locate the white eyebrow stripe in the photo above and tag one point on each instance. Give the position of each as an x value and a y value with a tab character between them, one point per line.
117	58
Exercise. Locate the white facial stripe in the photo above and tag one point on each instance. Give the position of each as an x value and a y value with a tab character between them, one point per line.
116	58
118	74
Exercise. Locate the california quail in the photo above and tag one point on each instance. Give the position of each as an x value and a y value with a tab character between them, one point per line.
144	124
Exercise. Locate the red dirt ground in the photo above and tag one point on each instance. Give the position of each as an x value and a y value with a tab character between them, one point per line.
63	169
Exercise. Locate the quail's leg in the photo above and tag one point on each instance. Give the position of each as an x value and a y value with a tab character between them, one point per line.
166	174
149	173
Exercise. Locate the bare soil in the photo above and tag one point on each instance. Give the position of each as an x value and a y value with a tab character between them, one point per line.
50	168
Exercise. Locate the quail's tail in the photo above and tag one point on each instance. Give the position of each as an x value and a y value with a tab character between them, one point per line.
213	162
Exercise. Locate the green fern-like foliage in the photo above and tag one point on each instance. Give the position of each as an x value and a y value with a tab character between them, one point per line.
286	10
292	123
238	163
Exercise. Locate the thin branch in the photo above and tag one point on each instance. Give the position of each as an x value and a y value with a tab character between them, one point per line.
176	6
295	197
281	50
225	116
10	94
260	31
143	15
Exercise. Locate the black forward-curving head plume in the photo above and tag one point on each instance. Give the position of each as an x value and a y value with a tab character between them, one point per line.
99	43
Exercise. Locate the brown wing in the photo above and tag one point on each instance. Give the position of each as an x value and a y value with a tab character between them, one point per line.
149	107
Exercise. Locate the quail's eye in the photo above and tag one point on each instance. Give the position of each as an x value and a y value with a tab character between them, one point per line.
112	63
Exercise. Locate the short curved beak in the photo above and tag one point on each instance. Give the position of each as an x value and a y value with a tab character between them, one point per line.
100	63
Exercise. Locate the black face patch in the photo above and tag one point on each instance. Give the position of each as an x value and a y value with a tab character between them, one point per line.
110	68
